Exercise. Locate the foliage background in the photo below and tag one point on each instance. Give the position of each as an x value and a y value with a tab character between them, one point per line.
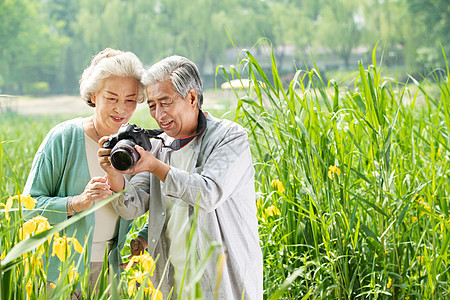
45	44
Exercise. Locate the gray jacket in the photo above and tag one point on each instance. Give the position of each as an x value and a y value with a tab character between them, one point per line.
221	181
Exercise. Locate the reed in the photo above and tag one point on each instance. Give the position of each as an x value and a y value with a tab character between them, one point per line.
352	181
352	186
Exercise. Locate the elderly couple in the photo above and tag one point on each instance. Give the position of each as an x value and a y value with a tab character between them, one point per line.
71	171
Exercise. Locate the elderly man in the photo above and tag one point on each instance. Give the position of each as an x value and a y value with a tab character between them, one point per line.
200	160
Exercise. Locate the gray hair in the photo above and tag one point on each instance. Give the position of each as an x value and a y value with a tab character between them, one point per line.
181	71
109	63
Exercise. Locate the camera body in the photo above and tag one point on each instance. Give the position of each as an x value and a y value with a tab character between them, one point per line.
123	153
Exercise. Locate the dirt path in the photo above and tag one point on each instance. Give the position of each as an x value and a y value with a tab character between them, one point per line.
73	105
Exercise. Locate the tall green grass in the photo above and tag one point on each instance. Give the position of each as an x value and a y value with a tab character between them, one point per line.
377	227
352	182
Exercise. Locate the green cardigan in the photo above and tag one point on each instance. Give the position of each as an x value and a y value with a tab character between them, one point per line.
60	170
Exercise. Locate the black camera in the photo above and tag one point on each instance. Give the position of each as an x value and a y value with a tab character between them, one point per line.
123	153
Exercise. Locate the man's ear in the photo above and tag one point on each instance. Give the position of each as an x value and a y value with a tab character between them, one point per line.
192	97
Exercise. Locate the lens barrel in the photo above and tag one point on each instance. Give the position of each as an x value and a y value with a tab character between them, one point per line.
123	155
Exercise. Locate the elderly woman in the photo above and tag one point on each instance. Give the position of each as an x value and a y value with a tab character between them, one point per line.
66	178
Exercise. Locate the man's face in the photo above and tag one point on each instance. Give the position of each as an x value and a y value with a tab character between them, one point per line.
176	116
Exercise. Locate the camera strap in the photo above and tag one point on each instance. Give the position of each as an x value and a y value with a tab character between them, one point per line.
181	142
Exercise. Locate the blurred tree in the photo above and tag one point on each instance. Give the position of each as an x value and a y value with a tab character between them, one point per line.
383	22
431	27
29	49
339	27
294	26
196	30
60	16
53	40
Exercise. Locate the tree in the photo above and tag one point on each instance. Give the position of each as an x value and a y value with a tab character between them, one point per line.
339	28
29	50
432	28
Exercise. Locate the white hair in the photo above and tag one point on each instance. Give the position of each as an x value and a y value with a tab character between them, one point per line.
109	63
181	71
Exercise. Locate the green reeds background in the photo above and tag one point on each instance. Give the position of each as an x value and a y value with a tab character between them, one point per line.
363	212
352	182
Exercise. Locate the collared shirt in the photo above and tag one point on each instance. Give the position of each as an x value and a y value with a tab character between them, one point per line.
221	182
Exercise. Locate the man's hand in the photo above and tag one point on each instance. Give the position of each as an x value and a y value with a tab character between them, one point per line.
149	163
137	246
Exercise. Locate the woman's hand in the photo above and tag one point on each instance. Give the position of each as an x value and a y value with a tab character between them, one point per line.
115	179
104	158
96	189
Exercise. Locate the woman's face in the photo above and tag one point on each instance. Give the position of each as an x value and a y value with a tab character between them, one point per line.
115	103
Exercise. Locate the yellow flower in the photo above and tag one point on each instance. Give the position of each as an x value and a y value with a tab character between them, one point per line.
158	296
278	185
414	219
421	259
148	264
7	207
52	285
42	224
131	286
35	225
29	287
60	247
138	277
145	260
76	245
3	255
420	201
73	275
389	283
28	201
376	255
272	211
333	170
27	229
146	267
259	203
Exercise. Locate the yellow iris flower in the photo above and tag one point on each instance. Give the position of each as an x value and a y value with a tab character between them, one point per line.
272	211
29	288
7	207
138	276
275	183
73	275
159	295
333	170
146	261
146	266
27	201
35	225
61	246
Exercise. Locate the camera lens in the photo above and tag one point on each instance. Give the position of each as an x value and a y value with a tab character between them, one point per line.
123	155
